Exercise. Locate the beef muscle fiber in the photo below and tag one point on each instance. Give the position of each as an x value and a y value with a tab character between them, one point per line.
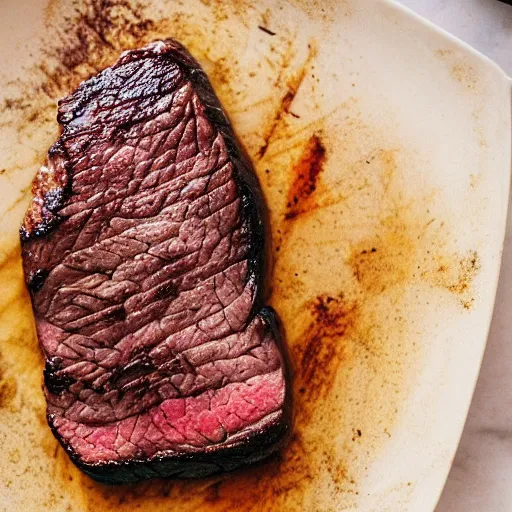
143	250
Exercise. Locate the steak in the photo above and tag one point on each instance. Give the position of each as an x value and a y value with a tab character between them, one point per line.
144	253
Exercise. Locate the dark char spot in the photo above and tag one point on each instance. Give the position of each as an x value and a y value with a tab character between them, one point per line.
36	279
54	379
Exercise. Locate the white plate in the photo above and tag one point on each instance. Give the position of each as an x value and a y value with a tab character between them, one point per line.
385	274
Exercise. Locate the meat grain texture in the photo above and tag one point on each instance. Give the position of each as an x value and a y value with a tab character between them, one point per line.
144	253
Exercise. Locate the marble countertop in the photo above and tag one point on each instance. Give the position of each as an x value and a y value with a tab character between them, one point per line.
481	476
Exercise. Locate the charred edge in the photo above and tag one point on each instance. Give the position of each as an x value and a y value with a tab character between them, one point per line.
25	234
48	220
54	380
178	465
41	229
36	279
306	172
52	202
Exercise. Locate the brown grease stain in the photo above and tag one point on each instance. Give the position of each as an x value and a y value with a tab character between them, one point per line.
466	75
443	53
8	389
456	278
461	70
474	180
348	357
319	353
100	30
222	10
387	259
326	8
374	261
306	173
285	103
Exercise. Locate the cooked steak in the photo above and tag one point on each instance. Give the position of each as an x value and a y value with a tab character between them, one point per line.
143	250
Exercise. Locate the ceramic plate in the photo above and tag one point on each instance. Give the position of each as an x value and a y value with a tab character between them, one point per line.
383	147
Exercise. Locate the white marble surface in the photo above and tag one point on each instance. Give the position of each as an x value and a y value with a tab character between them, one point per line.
481	476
